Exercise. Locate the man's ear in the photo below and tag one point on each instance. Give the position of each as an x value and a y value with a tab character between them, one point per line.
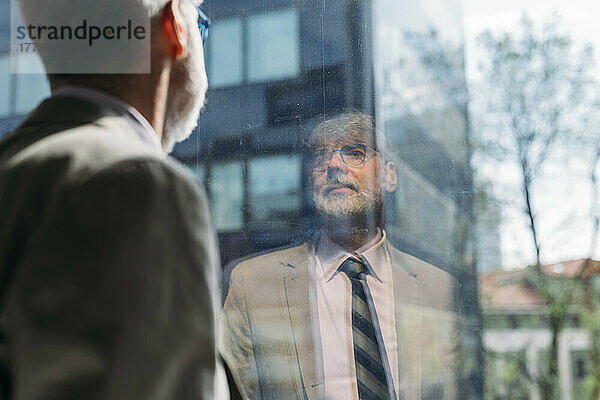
174	28
391	176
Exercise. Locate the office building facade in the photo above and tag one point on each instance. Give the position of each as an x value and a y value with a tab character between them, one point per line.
277	68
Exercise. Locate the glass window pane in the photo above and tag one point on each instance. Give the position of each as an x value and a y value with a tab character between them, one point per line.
226	195
199	171
274	184
225	64
31	87
5	79
273	48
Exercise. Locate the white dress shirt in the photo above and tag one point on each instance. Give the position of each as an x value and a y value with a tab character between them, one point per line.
140	124
334	312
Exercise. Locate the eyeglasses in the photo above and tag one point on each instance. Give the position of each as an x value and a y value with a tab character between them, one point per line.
353	155
203	24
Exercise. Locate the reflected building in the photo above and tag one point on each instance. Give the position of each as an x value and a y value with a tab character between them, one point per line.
488	219
278	67
274	70
518	333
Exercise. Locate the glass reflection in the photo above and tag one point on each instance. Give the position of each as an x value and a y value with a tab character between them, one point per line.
5	82
274	188
273	50
226	195
281	69
225	62
345	314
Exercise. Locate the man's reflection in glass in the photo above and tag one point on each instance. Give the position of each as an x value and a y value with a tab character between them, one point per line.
345	315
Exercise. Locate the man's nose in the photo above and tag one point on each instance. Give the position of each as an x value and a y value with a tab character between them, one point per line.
336	162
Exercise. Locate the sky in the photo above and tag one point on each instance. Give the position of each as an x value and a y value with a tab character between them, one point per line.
562	194
580	16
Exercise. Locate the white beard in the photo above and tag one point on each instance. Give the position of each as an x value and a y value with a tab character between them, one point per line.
187	91
362	204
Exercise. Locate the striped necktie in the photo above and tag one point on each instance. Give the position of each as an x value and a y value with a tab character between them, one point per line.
370	373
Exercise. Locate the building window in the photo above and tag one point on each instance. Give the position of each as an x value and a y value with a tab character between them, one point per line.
580	370
575	322
32	85
274	51
5	80
226	192
225	66
274	188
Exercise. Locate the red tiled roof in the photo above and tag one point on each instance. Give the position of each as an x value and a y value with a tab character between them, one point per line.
505	289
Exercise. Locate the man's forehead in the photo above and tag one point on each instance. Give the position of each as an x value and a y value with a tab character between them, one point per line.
339	142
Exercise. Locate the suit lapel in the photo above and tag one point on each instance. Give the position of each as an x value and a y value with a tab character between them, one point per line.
408	293
297	303
408	299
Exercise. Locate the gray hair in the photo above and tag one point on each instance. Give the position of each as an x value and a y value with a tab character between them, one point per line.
345	127
348	127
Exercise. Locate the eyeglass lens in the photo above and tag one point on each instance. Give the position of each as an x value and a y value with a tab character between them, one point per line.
352	155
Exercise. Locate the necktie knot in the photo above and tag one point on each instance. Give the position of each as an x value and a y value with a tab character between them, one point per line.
353	268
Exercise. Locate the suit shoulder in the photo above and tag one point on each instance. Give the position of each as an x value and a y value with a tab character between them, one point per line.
87	163
417	267
70	157
270	261
439	286
87	147
149	176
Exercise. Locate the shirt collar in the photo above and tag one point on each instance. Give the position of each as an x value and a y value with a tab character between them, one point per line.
137	121
330	256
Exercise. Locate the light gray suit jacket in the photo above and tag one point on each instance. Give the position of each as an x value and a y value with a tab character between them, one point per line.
107	263
267	327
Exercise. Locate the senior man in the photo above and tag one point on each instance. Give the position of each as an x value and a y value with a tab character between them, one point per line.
107	254
345	315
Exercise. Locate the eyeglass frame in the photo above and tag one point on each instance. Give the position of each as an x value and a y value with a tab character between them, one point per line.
331	152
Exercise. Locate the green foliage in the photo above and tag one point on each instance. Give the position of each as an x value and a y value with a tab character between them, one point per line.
591	321
588	388
507	376
559	293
